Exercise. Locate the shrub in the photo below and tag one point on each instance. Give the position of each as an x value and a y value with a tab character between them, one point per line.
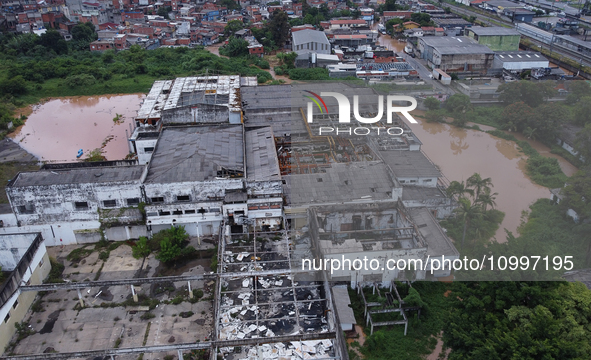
198	293
80	80
147	316
104	255
141	248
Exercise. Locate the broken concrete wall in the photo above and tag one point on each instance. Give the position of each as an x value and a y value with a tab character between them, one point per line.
196	190
51	204
264	188
196	114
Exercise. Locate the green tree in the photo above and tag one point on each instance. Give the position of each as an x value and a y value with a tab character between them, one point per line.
532	94
279	27
577	90
479	184
169	251
390	23
459	189
14	86
467	211
582	113
83	32
164	11
390	5
547	118
458	104
583	143
230	4
431	103
235	47
232	27
141	248
423	19
517	116
53	40
518	320
487	199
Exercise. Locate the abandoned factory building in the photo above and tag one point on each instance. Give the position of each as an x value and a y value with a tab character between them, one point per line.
217	153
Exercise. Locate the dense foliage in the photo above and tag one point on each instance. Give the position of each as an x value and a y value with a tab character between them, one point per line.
519	320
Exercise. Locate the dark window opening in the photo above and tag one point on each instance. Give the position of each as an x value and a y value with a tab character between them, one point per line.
189	211
163	213
15	304
183	198
133	201
157	199
26	209
177	212
149	150
81	205
110	203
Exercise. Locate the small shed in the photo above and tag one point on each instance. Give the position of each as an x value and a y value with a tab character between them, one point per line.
442	76
344	311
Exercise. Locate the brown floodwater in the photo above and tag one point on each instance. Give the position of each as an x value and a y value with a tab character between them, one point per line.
57	128
460	153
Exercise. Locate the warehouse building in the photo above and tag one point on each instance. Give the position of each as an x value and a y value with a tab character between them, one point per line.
496	38
455	54
519	60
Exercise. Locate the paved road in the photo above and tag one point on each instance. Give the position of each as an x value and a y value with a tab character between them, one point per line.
424	73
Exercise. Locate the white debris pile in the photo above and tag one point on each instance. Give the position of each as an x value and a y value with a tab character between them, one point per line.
295	350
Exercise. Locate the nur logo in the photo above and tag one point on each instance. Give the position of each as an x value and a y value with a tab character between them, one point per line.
345	107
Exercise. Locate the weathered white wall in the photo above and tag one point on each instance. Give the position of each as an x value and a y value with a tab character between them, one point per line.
55	203
12	248
419	181
197	190
142	155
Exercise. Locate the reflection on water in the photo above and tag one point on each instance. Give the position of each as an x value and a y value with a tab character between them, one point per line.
458	144
461	152
58	128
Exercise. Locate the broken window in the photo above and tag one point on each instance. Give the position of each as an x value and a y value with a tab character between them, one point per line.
28	208
157	199
109	203
81	205
183	198
133	201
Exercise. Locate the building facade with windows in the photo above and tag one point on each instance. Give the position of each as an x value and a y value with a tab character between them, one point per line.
310	41
25	257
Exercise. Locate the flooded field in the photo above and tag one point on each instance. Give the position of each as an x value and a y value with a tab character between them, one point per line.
461	152
58	128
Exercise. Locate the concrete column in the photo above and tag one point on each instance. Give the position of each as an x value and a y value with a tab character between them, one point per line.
112	357
180	352
135	299
198	240
190	291
80	298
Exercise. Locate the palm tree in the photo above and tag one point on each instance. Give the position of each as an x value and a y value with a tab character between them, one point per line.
530	133
458	188
485	199
467	211
479	184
